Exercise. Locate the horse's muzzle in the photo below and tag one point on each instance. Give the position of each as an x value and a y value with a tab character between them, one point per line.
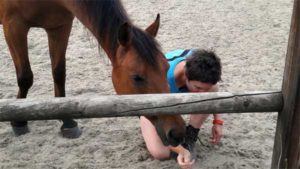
175	137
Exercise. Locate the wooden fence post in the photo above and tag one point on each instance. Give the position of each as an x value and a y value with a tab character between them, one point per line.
287	145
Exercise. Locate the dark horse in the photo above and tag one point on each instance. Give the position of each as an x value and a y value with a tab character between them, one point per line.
138	63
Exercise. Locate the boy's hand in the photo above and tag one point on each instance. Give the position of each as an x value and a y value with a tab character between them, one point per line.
217	133
184	160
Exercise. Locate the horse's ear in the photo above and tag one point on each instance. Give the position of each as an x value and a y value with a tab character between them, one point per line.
153	28
125	34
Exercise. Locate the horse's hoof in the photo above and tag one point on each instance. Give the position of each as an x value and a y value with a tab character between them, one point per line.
71	133
20	130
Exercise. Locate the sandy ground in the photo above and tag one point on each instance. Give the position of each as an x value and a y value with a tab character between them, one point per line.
249	36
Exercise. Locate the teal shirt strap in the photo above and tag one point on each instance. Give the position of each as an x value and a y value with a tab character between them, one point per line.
173	59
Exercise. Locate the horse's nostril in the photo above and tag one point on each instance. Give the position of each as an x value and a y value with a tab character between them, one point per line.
176	137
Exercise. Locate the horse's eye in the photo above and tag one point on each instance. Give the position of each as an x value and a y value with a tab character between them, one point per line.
138	79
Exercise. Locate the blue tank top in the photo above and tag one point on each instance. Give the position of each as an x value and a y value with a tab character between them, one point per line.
174	57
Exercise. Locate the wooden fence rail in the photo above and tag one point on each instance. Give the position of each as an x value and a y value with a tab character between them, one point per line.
136	105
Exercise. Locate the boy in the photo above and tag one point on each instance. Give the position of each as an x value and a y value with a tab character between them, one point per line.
190	71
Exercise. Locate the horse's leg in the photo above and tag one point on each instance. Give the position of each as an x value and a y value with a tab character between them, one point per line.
15	32
58	41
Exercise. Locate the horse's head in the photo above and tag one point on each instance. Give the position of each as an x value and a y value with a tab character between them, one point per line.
140	67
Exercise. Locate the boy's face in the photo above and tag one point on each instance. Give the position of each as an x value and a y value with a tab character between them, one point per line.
197	86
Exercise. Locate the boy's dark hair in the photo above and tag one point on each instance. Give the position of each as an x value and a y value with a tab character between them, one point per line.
203	66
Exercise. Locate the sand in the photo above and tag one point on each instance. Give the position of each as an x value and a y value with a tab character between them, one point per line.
249	36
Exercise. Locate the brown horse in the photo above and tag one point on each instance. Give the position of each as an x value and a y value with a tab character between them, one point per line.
138	63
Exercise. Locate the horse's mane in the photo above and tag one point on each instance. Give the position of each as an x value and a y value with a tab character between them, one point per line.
107	16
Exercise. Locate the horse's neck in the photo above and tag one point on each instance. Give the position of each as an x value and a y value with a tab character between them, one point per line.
82	15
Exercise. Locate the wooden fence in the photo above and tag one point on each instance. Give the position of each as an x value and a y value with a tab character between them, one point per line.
286	152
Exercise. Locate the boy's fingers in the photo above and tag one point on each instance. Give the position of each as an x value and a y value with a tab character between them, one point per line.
217	139
180	159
